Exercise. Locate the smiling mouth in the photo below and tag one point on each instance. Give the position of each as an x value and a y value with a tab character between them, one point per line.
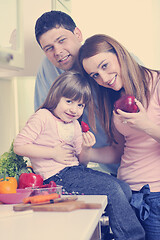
70	115
64	59
113	80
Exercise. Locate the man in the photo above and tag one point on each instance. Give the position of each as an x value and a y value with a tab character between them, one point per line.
60	39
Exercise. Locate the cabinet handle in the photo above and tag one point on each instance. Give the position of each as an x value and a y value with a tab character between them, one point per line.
5	57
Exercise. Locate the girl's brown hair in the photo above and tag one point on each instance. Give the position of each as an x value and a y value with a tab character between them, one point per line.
72	85
134	76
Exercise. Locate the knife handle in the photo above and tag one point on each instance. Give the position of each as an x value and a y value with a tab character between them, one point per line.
64	199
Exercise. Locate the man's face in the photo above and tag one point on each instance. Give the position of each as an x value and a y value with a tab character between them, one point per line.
61	46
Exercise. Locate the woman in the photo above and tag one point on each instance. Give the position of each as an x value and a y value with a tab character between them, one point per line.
134	137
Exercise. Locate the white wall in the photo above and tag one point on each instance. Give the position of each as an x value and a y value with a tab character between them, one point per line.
134	23
25	96
8	113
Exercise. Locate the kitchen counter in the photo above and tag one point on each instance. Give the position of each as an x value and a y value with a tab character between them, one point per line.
75	225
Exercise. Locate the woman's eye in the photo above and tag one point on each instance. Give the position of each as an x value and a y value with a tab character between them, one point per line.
104	66
95	75
62	40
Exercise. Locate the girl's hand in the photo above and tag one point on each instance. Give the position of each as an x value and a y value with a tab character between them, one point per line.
88	139
137	120
64	153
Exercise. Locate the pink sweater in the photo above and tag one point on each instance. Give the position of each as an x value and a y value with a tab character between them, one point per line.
44	129
140	163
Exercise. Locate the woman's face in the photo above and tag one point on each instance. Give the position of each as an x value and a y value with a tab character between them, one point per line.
104	68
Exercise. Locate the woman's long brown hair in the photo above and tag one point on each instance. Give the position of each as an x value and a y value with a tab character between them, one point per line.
134	76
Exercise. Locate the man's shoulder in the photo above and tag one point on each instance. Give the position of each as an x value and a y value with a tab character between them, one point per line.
46	65
46	62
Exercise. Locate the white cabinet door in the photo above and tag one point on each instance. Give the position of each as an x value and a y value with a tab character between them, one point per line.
11	40
62	5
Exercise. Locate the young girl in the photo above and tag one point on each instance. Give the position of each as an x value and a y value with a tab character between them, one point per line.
114	73
52	139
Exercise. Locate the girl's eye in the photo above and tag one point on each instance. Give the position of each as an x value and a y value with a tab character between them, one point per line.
80	105
68	101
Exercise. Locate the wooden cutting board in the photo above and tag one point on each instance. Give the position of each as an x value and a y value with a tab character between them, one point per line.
66	206
27	206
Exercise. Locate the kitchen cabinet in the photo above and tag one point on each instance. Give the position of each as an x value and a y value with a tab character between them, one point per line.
62	5
11	41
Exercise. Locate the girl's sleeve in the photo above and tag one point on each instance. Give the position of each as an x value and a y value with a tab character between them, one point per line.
31	130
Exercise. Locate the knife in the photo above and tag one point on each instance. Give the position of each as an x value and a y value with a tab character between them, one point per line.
23	206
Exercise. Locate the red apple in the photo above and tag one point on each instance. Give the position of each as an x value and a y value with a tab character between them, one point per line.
126	103
85	127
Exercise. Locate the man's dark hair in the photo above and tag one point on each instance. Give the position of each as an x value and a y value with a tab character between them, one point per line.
53	19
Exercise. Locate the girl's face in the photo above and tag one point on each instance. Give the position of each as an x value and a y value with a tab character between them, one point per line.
68	110
104	68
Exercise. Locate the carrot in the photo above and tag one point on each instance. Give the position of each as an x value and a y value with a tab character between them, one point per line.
26	200
41	198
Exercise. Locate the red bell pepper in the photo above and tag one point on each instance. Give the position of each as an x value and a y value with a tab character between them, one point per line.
30	180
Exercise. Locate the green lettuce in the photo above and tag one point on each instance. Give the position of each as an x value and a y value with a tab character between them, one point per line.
12	163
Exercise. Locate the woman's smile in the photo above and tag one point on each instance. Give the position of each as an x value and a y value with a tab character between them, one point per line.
113	80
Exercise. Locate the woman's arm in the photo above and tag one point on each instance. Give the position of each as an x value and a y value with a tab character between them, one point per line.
153	131
106	155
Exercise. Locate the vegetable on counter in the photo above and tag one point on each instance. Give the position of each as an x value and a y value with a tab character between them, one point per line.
41	198
49	185
13	164
30	180
8	184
